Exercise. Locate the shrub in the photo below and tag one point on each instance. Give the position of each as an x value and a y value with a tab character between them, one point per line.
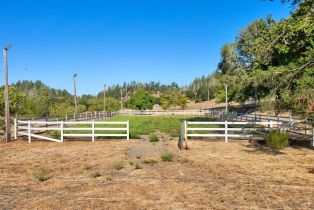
138	166
96	174
277	139
153	138
167	157
118	166
41	175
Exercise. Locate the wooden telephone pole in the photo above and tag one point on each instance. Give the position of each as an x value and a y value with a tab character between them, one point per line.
74	83
6	95
121	99
104	97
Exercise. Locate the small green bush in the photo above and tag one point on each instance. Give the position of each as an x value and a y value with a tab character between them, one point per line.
153	138
41	175
277	139
167	157
118	166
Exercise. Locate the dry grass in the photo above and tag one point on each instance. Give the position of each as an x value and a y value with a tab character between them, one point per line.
211	175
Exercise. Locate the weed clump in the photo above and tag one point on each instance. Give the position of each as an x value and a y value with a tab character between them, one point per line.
150	161
87	167
118	166
167	157
96	174
138	166
41	175
277	139
153	138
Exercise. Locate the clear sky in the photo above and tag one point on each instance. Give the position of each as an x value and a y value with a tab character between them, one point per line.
112	41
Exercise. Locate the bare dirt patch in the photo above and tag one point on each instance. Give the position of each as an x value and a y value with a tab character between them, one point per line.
209	175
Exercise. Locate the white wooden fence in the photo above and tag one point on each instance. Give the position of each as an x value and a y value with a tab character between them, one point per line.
166	112
38	129
224	130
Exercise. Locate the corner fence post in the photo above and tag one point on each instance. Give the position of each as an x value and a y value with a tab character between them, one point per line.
93	130
226	131
29	132
61	131
127	130
15	128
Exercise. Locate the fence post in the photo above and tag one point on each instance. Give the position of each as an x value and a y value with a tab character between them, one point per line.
226	131
74	117
313	136
93	130
271	125
127	130
15	128
29	132
61	131
185	131
305	130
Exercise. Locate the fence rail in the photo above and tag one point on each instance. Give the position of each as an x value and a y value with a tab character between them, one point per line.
40	129
224	129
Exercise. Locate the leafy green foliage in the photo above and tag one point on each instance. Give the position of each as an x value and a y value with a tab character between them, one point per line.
274	59
141	100
277	139
173	99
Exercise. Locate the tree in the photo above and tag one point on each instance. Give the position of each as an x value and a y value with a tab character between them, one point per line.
112	104
17	101
173	99
141	100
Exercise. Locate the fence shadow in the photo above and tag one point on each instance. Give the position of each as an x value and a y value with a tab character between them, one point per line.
258	147
300	143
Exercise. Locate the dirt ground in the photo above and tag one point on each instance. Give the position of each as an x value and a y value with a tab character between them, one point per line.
211	175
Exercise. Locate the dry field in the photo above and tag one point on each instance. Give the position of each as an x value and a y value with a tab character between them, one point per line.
211	175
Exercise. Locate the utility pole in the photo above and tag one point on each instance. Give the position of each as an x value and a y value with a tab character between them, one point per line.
74	83
226	89
255	97
104	97
208	94
6	94
121	99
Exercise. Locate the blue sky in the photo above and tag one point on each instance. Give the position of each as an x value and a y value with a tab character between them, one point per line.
115	41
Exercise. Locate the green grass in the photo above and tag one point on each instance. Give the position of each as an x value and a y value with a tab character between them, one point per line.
167	157
144	125
153	138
